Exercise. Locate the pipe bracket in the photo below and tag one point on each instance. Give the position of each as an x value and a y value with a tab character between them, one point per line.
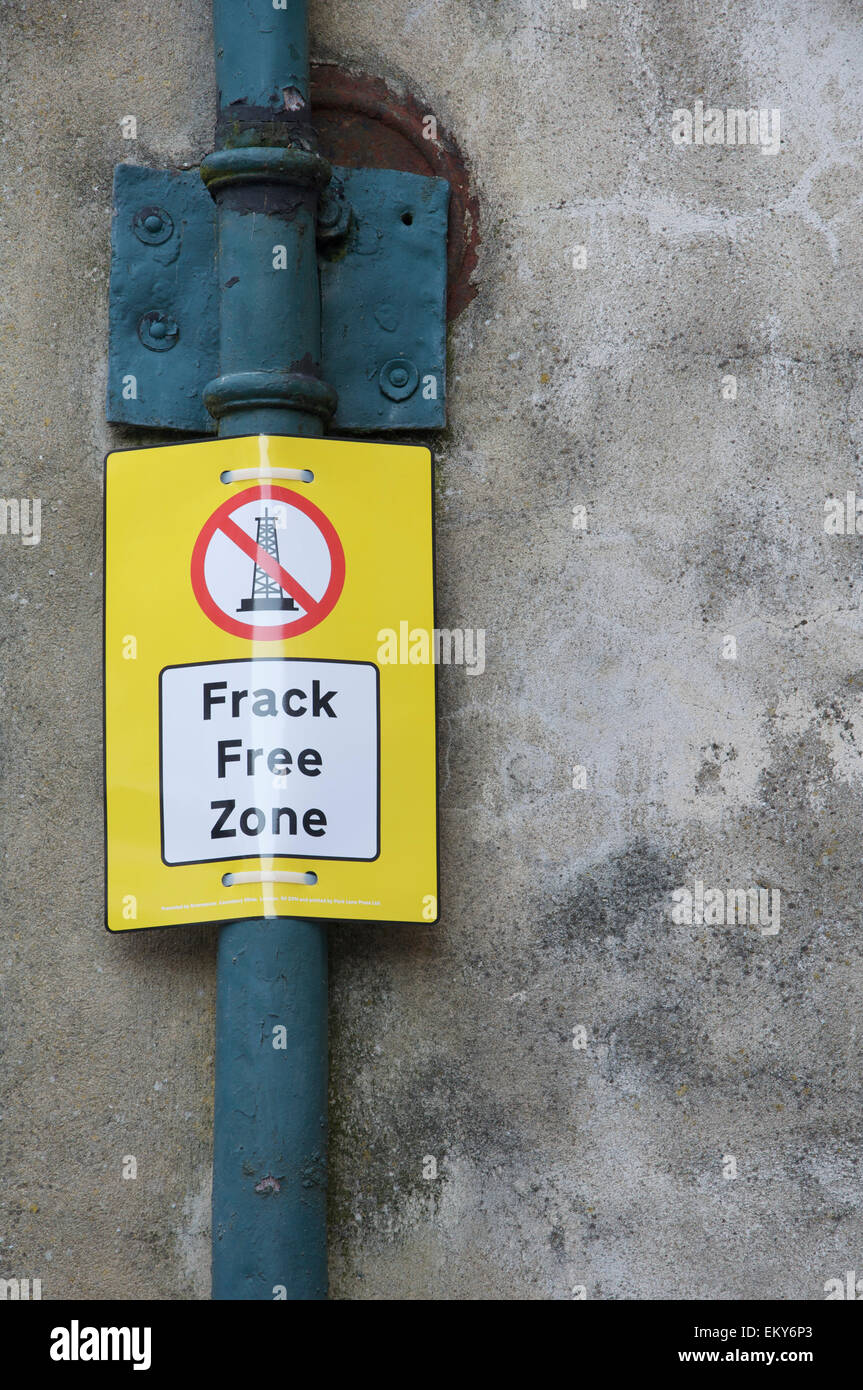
382	255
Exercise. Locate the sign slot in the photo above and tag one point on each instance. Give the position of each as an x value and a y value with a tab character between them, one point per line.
241	475
269	876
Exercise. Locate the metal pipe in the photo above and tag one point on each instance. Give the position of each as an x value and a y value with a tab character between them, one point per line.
270	1120
262	48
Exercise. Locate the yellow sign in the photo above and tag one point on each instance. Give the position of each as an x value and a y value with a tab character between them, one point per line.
270	752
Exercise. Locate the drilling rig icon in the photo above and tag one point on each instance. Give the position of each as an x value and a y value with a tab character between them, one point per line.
267	593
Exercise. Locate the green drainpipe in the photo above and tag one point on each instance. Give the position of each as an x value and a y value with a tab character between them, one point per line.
270	1140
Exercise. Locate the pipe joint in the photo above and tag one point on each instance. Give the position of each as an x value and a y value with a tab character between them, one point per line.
265	164
269	390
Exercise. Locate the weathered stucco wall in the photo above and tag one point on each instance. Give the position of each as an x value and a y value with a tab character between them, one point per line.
597	379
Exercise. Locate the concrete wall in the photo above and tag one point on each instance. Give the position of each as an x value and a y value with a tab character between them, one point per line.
600	385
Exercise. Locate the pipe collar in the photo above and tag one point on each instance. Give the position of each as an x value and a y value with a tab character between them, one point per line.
276	390
265	164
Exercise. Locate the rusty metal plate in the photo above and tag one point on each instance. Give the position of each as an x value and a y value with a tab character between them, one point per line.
363	123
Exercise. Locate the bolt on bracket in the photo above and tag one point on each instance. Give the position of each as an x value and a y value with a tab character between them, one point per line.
382	254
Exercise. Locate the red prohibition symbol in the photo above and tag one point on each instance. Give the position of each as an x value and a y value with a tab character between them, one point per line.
268	565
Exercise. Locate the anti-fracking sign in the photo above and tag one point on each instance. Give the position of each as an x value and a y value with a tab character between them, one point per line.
262	757
238	555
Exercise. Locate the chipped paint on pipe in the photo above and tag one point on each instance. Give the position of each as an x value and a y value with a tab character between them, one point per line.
261	53
270	1122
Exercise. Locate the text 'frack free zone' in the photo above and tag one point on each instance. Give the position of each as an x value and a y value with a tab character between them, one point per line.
279	762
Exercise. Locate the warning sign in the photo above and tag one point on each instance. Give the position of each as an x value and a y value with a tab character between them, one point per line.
265	754
268	564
